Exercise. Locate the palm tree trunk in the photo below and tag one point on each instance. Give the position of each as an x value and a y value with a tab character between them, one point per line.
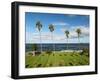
79	43
53	43
40	42
67	43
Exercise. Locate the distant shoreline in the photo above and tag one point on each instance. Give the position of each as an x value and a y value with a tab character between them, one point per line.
58	47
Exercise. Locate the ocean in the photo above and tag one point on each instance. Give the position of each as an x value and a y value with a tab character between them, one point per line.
58	47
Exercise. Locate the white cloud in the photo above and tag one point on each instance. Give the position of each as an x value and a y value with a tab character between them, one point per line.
72	31
84	30
60	24
46	36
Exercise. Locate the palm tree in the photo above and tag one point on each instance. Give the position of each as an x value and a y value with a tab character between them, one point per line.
67	35
39	26
51	28
78	31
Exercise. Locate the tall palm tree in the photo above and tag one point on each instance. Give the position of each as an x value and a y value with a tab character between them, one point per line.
67	35
78	31
39	26
51	28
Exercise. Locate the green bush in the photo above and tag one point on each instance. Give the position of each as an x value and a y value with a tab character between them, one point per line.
27	65
48	52
37	52
39	65
85	51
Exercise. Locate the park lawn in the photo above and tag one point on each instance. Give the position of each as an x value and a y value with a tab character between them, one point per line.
56	59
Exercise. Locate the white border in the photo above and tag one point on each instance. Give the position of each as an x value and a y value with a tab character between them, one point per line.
52	70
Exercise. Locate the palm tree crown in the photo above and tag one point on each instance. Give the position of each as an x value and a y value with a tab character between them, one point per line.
51	27
67	33
78	32
38	25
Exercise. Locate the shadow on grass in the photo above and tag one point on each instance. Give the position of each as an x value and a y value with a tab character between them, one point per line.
27	66
39	65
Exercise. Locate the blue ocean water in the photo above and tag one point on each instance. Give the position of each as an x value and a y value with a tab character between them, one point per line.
58	47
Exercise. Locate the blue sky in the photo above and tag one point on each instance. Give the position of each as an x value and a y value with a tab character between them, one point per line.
61	22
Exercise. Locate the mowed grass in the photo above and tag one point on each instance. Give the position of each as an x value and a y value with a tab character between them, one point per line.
56	59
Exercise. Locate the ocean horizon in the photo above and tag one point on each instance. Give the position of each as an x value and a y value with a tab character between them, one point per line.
58	46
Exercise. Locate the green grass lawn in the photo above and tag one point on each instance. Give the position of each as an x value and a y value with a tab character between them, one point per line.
56	60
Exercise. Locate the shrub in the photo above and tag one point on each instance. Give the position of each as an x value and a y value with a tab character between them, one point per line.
85	51
50	64
37	52
39	65
48	52
70	64
27	65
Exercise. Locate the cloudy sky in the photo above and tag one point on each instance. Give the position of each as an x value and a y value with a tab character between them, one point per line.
61	23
